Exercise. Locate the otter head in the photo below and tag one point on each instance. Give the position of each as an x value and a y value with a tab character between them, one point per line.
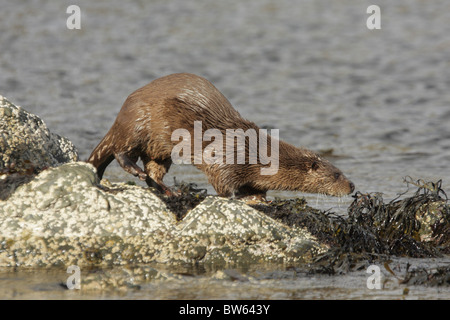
322	177
305	171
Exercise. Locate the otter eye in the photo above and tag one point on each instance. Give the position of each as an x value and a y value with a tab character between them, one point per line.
315	166
337	175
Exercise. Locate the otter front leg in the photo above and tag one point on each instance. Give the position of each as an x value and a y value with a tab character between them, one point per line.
156	169
130	166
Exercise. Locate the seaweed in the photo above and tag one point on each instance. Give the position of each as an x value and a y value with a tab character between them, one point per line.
185	196
416	226
437	277
373	230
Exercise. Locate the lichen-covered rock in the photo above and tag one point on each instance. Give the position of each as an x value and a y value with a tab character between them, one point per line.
25	140
63	217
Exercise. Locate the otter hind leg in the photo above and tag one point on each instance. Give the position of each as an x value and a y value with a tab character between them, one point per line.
102	167
128	163
102	156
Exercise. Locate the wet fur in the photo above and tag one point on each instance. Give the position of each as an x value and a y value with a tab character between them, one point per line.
144	126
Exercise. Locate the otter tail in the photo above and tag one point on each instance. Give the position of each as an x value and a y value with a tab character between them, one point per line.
102	155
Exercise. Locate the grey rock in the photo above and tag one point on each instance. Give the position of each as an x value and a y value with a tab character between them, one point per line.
25	140
63	217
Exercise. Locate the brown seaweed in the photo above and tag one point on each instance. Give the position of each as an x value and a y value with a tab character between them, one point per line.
416	226
437	277
185	196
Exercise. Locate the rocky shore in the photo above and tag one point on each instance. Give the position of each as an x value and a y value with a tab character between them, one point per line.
61	215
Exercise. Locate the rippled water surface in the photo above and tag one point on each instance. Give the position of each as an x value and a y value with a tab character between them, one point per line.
379	99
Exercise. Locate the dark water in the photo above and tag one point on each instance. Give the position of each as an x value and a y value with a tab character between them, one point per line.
379	99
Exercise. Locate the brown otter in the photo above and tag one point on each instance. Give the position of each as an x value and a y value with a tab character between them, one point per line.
144	126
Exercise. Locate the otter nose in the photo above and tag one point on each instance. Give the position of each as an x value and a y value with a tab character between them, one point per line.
352	187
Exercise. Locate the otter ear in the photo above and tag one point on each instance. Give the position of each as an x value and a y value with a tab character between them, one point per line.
315	165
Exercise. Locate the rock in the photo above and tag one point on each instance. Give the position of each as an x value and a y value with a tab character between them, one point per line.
433	218
63	217
230	274
27	147
237	232
25	140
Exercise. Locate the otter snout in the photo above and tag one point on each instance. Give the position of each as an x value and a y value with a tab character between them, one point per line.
346	188
342	187
352	187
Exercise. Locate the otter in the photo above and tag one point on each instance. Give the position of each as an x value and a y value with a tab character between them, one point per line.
144	126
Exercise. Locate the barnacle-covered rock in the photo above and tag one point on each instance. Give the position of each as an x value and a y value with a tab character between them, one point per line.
64	217
27	147
25	139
